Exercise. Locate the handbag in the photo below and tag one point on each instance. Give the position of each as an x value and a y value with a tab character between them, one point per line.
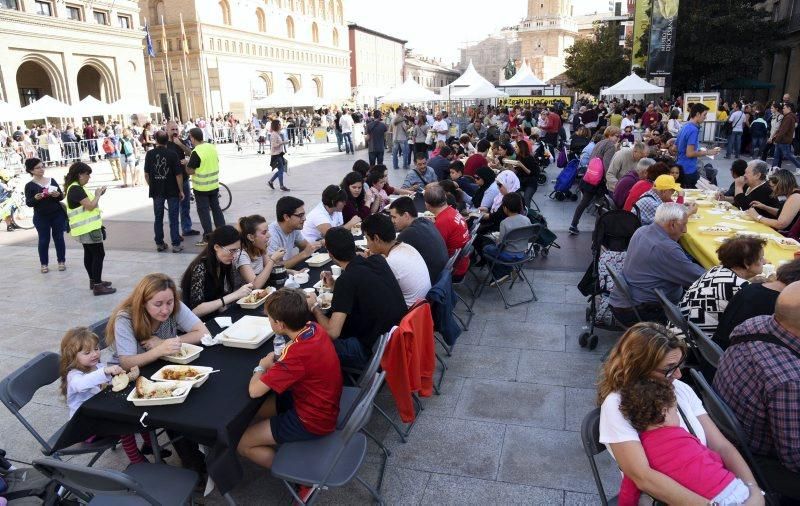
103	232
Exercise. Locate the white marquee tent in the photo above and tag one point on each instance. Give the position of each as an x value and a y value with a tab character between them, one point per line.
8	112
90	106
468	79
130	106
478	91
524	78
409	92
46	107
632	85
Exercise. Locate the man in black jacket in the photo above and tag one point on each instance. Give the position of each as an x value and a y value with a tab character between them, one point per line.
755	178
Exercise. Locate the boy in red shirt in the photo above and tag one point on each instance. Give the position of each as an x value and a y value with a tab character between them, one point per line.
450	224
306	377
651	407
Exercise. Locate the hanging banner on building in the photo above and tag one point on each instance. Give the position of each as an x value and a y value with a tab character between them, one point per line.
661	55
641	24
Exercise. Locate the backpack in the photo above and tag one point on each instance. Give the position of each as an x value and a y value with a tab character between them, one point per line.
108	146
594	172
564	182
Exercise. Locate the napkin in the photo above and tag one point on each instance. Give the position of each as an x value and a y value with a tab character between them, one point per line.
223	321
207	340
291	283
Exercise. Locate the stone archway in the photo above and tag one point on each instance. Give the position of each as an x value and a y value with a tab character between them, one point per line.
33	82
96	80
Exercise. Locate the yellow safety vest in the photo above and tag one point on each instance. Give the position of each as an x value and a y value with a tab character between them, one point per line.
206	177
82	221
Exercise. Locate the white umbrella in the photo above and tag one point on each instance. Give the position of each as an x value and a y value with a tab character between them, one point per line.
90	106
478	91
8	112
129	106
633	85
46	107
409	92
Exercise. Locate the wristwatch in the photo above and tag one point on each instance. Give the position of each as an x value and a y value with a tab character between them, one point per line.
259	370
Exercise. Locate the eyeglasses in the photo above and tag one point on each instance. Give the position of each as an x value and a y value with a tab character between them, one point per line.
232	252
669	372
299	215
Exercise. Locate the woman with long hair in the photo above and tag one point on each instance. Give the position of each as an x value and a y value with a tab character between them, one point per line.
207	284
650	351
353	186
276	151
528	173
44	195
786	215
484	195
252	264
151	322
86	225
420	131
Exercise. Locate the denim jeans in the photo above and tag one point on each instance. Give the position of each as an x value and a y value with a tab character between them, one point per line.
784	151
339	139
173	204
375	157
758	145
281	169
490	251
186	207
348	142
734	144
351	353
208	203
398	148
47	225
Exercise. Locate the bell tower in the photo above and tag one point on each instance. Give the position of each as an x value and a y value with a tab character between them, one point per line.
545	8
545	34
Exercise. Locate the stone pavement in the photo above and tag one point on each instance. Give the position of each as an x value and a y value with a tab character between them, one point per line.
504	430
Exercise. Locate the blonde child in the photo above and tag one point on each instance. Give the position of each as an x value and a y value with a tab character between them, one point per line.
82	375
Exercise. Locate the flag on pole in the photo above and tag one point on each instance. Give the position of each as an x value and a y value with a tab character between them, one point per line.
151	51
184	40
163	35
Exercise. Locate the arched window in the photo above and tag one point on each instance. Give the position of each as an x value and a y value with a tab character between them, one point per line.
321	9
339	12
226	12
318	87
335	37
291	86
261	19
289	27
262	86
302	5
312	7
330	11
314	32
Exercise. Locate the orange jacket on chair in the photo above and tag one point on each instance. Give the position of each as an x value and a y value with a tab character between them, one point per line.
409	359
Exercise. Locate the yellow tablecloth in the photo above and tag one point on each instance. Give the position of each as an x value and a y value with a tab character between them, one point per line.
704	247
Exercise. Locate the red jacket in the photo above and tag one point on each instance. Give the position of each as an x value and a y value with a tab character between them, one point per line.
409	359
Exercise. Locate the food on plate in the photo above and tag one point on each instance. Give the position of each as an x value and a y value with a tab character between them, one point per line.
325	300
180	373
255	296
428	214
786	242
146	389
715	230
184	351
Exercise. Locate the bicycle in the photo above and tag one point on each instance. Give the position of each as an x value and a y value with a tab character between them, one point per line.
13	200
225	196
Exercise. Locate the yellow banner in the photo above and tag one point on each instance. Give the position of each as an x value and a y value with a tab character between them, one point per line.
710	100
641	24
547	101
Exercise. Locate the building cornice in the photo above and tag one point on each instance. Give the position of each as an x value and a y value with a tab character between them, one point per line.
49	23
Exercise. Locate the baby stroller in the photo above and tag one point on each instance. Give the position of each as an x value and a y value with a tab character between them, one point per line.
546	238
612	233
567	178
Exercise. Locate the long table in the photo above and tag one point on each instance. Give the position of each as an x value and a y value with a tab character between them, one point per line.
703	247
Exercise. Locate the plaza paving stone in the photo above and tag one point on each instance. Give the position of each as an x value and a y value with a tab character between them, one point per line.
505	429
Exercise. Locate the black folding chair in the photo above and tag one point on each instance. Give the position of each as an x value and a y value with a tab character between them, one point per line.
729	425
466	251
528	234
19	387
590	435
156	484
709	352
332	461
622	285
673	312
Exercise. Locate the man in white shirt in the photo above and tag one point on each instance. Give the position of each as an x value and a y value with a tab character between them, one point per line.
407	264
346	124
440	127
736	120
327	214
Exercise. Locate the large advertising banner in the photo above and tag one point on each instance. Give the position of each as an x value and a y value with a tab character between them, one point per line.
546	100
641	24
662	42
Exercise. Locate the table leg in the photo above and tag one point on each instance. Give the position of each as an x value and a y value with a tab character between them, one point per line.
156	448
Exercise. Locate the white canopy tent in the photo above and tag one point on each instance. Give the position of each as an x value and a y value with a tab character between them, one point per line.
129	106
469	78
478	91
632	85
46	107
90	106
524	78
409	92
8	112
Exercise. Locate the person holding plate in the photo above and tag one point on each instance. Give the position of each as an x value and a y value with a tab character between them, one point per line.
785	215
44	195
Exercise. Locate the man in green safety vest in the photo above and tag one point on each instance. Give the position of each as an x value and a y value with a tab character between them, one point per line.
203	165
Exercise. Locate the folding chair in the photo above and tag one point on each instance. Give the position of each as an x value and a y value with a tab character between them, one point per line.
351	396
99	329
709	352
447	348
466	251
590	435
673	312
729	425
19	387
529	234
156	484
622	285
331	461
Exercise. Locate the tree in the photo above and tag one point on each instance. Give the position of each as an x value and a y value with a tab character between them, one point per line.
719	41
597	61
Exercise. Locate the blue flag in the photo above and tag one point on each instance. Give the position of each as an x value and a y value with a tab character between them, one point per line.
150	49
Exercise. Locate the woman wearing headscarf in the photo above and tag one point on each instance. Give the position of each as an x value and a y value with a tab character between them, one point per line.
484	195
506	182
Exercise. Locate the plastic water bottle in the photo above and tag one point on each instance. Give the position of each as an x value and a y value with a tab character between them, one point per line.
278	344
